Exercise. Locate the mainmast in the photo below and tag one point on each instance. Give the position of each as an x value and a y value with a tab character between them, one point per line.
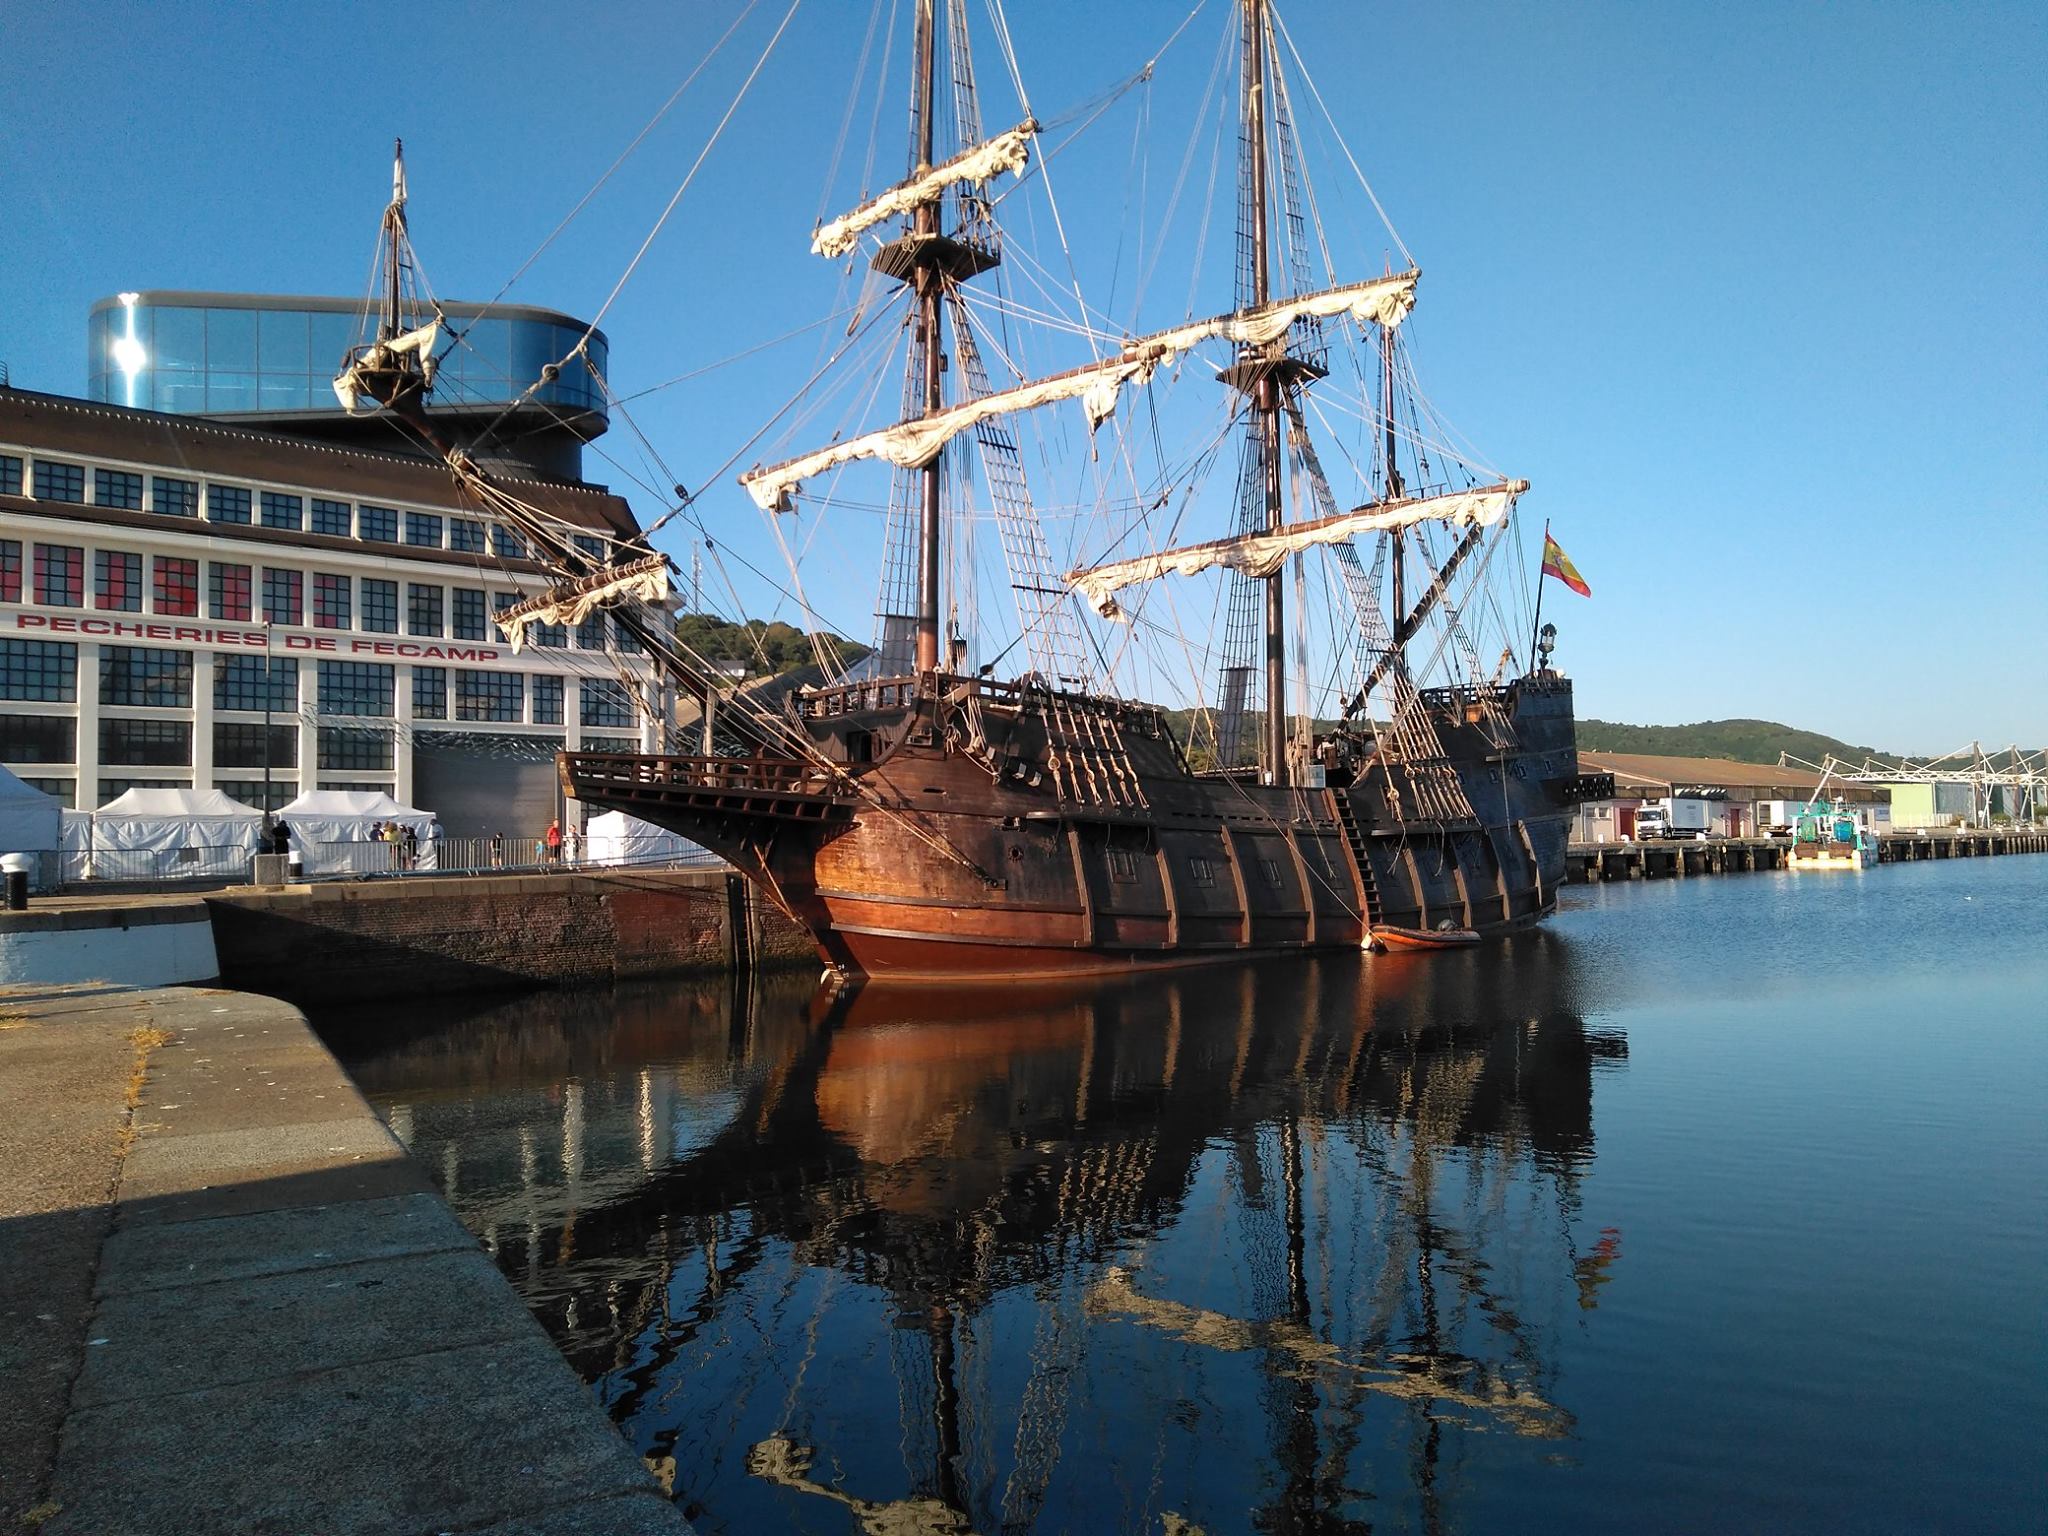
1398	657
930	296
1266	392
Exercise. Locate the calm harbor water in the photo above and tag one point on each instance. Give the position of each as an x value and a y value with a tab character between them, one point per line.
1717	1205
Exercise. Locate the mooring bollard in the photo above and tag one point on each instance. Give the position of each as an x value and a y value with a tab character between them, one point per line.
16	867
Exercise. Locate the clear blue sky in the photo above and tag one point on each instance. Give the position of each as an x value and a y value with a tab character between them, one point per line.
1753	293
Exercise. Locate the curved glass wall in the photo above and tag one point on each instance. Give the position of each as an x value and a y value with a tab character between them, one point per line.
236	357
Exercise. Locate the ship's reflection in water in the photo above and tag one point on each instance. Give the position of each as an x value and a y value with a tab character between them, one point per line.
1286	1247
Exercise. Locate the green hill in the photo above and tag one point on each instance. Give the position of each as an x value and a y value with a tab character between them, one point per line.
1742	741
766	649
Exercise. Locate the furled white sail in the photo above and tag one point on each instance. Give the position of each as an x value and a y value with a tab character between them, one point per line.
1382	300
570	604
915	443
420	343
981	163
1262	554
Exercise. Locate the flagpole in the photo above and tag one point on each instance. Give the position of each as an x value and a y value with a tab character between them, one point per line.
1536	626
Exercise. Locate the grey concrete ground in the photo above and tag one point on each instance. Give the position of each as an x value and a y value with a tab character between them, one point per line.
240	1307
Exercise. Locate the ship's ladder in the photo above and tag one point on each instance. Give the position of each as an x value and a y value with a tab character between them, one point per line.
1091	763
1354	840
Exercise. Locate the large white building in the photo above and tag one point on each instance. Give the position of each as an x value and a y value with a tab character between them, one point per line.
165	577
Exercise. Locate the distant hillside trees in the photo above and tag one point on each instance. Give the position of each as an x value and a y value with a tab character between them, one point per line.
1742	741
766	648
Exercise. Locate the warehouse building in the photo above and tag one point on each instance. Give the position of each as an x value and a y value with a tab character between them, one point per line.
1739	799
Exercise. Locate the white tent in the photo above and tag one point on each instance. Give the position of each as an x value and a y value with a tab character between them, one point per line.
159	833
29	823
334	830
75	837
616	838
28	817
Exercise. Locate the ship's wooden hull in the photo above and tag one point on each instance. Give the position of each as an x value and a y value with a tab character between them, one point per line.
939	869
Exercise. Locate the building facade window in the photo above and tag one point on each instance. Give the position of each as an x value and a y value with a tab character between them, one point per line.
254	683
506	544
600	701
39	669
174	586
114	789
10	570
10	475
227	592
38	739
349	750
591	545
499	696
284	596
116	581
380	606
283	511
146	743
117	488
356	688
63	791
590	633
547	699
251	792
227	504
134	676
467	610
610	744
377	524
422	608
60	575
465	537
423	529
623	637
59	482
430	693
239	744
330	601
173	498
332	518
549	637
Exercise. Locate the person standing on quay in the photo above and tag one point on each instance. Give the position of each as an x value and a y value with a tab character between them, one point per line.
554	842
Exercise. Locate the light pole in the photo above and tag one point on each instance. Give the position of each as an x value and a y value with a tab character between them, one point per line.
269	699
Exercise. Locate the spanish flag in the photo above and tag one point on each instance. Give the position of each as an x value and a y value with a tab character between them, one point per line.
1557	563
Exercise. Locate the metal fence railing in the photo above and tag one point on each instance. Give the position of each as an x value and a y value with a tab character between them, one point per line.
372	859
230	862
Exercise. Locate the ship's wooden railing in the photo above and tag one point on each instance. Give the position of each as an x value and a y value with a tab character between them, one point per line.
1461	695
901	692
760	775
857	698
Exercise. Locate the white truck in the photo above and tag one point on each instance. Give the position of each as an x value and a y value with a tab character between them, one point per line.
1685	816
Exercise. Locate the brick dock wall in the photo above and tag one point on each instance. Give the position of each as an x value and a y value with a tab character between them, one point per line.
343	942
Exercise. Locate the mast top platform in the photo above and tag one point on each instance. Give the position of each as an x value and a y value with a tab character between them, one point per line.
956	260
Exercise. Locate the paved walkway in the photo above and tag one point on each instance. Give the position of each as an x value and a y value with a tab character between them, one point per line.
230	1302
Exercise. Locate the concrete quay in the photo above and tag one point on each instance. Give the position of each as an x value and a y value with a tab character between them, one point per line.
1588	863
231	1303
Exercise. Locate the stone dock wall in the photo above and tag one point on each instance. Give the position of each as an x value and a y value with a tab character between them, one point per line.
230	1301
346	942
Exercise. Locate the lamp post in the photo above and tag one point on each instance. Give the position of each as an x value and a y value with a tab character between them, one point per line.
269	699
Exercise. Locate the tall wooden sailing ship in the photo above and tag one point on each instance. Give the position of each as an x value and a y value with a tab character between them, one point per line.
932	820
